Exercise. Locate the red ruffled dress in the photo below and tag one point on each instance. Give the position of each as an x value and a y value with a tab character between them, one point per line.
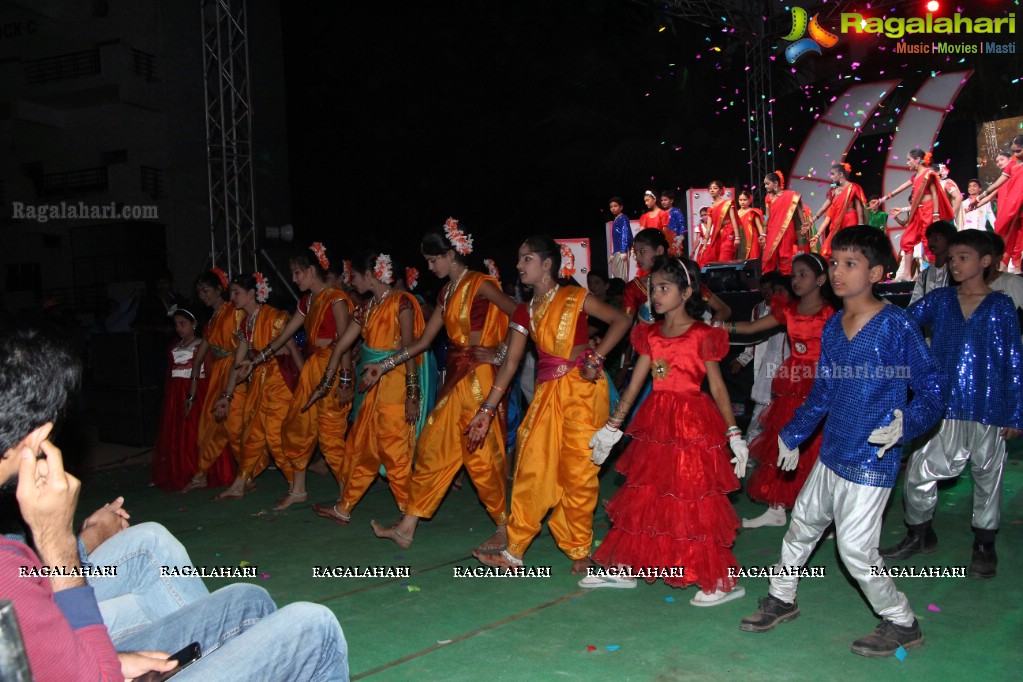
789	388
673	510
176	455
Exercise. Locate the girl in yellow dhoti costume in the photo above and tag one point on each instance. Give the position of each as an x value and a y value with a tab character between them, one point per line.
553	471
392	412
474	312
324	311
266	396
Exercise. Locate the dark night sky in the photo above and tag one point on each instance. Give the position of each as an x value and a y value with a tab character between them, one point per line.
525	117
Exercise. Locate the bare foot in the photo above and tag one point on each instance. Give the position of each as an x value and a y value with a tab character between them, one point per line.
231	493
580	566
499	560
289	499
391	533
332	514
496	542
194	484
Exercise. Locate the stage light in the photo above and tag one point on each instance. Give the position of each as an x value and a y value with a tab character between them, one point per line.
933	6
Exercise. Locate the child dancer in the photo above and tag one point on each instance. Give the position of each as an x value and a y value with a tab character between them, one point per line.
766	354
872	354
175	457
621	239
752	235
674	511
804	321
977	345
845	206
785	222
1009	189
553	471
722	239
389	415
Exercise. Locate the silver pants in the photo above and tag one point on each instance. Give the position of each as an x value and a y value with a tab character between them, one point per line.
856	510
944	455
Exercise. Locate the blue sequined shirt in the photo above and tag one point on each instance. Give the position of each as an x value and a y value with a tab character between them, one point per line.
859	384
676	221
980	356
621	234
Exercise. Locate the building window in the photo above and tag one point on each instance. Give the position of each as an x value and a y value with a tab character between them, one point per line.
62	67
71	183
144	65
152	181
24	277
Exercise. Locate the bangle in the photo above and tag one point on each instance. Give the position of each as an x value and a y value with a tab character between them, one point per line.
733	431
495	387
189	398
593	360
194	379
488	409
500	354
344	378
731	328
227	396
327	381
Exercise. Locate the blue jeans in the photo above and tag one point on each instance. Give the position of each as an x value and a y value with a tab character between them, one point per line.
138	596
244	637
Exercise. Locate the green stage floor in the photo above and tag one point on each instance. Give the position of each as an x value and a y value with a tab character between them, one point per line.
435	626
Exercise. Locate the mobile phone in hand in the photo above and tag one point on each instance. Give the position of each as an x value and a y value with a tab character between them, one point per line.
186	657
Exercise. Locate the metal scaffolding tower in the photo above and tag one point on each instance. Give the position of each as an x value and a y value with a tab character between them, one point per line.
229	135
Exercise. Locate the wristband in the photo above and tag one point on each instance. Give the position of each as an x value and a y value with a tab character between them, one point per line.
733	431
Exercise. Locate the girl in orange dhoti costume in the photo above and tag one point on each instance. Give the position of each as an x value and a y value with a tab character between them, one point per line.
220	339
929	203
553	471
721	240
324	311
751	237
845	206
265	401
391	413
474	312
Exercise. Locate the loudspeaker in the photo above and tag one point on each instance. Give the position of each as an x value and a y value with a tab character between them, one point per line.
733	275
127	359
128	416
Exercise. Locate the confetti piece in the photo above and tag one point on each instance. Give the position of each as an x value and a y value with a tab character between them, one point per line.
900	654
443	641
669	599
244	563
932	607
413	588
264	576
613	647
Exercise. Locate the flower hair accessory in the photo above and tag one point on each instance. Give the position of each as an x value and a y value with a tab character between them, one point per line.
262	287
175	309
927	159
567	263
383	269
677	247
492	268
845	166
346	273
321	254
781	179
460	240
411	278
221	275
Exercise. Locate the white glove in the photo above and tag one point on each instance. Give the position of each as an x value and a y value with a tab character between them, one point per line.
787	459
887	436
741	452
602	442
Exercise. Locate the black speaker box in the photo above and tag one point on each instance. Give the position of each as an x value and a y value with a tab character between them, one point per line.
128	359
128	416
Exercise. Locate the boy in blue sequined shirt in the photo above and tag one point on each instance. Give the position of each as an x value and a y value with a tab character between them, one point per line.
872	354
977	344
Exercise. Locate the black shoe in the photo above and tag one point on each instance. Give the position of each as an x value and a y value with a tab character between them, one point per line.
770	611
919	539
984	562
886	639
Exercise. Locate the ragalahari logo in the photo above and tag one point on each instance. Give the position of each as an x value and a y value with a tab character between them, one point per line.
800	47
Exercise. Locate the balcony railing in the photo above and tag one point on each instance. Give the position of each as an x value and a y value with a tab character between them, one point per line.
62	67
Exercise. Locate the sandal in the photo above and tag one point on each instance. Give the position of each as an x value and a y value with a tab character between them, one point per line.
717	597
331	513
591	582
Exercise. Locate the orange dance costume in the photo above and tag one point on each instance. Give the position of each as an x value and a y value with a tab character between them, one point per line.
842	211
673	510
221	333
720	244
380	434
789	389
936	208
553	470
326	420
443	447
782	228
266	398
